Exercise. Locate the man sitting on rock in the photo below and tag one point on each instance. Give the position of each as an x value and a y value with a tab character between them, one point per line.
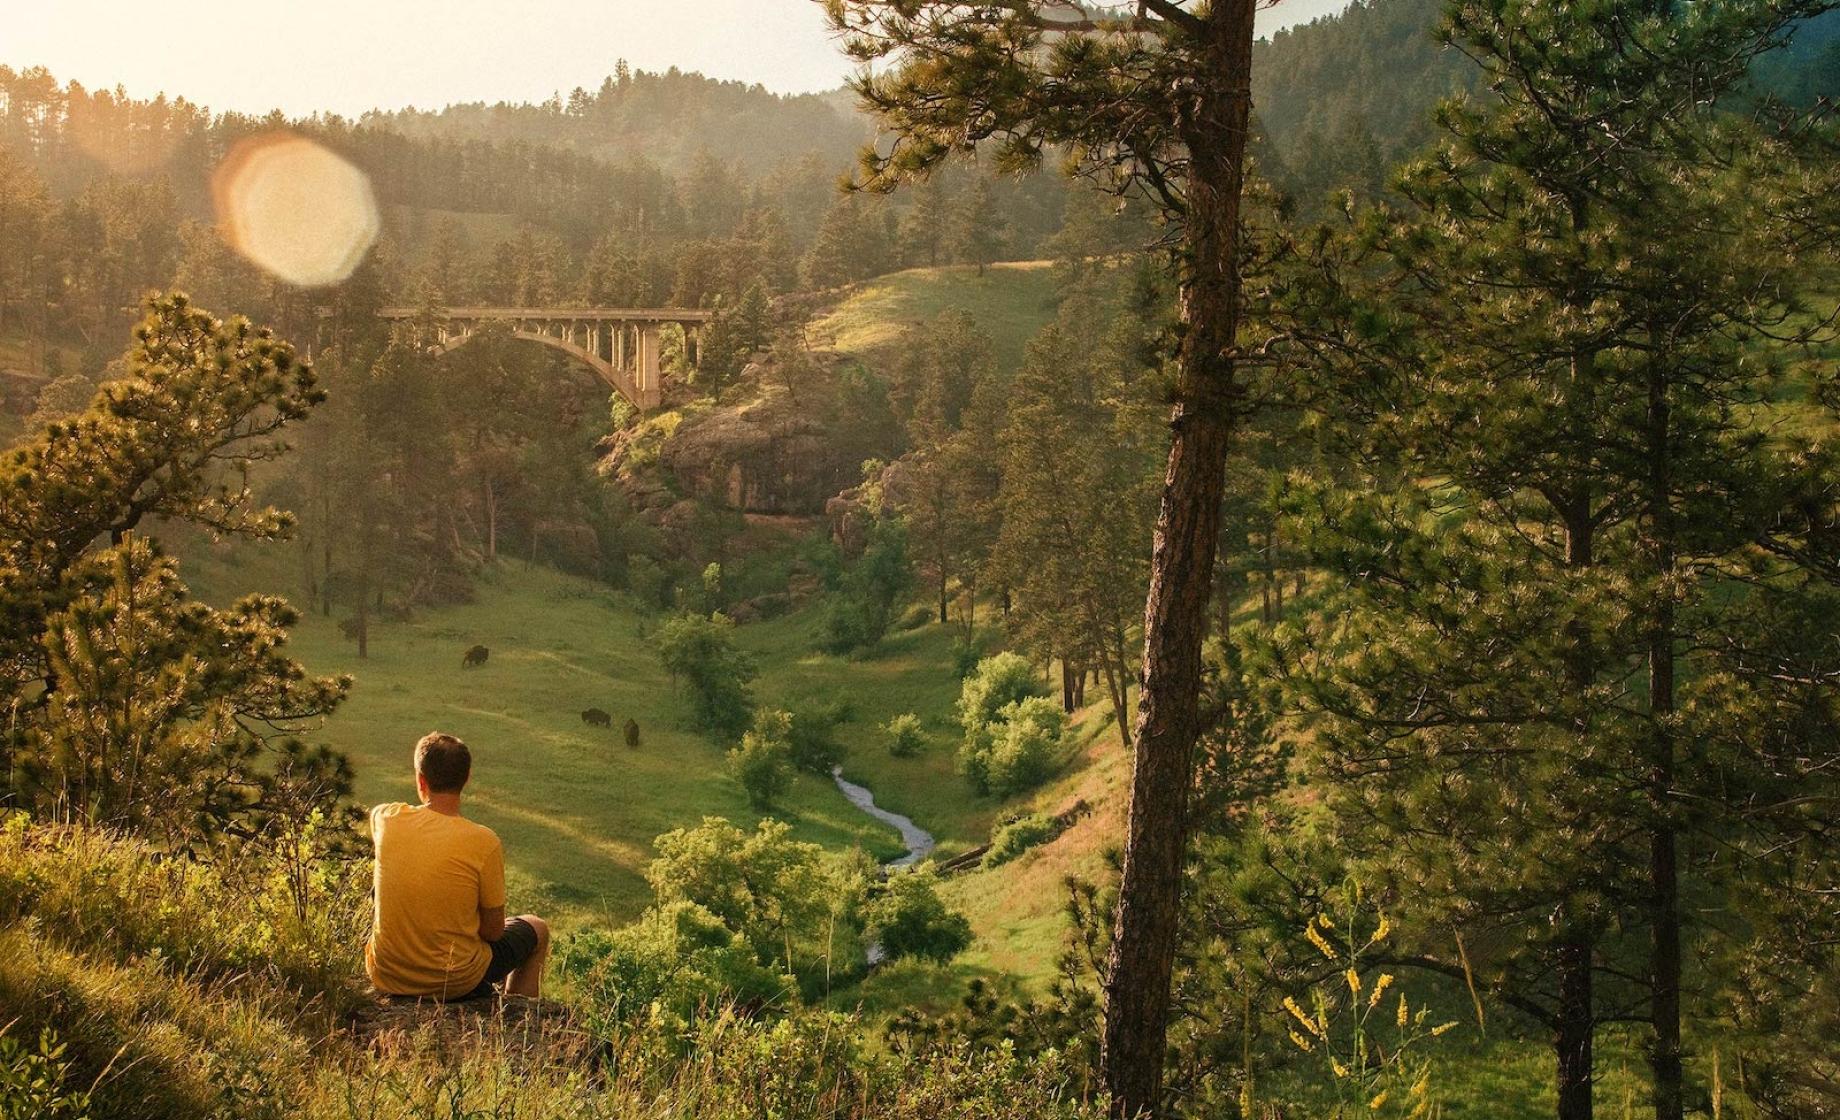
438	928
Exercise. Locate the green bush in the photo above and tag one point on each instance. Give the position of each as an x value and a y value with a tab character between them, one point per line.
1018	836
674	965
905	736
966	655
35	1082
996	683
1010	738
800	912
812	738
908	919
701	653
917	616
1022	752
870	590
763	763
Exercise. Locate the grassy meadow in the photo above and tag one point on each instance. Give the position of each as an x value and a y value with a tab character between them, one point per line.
577	809
1010	301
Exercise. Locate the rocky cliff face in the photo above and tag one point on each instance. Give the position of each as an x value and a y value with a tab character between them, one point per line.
770	445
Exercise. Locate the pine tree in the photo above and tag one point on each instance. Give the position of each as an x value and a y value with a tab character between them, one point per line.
1572	336
977	237
130	704
926	226
1155	105
1078	494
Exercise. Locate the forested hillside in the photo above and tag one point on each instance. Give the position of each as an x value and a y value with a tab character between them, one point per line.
1081	630
668	119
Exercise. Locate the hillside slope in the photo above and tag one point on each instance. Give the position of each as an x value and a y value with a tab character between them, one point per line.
1010	301
577	810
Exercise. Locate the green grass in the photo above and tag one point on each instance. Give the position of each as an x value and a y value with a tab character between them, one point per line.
1010	301
909	672
576	809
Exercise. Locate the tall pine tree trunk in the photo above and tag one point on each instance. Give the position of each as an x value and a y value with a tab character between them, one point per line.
1176	618
1664	872
1575	1022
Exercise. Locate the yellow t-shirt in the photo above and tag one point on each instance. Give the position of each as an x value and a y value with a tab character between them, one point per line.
435	873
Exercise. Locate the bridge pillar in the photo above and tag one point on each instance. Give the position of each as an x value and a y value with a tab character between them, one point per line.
646	377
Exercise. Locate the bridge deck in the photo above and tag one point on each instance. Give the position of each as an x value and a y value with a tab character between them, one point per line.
560	314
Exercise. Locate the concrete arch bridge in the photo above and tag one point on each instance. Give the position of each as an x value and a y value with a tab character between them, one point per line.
620	344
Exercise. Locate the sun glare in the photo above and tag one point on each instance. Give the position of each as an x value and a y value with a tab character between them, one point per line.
296	209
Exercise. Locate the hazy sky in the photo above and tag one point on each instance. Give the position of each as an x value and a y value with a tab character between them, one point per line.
346	56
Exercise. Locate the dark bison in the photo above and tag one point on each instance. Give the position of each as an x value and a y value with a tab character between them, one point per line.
475	657
594	717
632	733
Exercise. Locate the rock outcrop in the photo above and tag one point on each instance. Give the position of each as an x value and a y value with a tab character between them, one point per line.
769	445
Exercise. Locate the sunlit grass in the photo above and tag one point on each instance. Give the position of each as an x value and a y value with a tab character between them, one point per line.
1011	302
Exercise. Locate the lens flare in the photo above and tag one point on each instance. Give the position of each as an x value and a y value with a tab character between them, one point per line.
295	208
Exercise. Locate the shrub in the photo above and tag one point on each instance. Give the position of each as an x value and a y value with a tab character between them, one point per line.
763	761
799	912
870	590
905	737
966	654
1019	835
677	963
917	616
908	919
1022	752
34	1082
812	738
987	701
701	652
996	683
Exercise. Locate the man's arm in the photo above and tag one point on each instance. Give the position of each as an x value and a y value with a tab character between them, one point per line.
492	895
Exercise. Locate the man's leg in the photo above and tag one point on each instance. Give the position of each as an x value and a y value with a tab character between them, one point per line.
527	978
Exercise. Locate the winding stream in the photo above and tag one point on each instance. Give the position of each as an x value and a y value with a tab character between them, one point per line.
919	841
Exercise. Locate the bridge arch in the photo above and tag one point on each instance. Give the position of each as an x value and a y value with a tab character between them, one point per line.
621	345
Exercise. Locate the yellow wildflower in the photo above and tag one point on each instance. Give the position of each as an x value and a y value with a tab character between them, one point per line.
1317	940
1354	982
1302	1042
1385	927
1379	1099
1380	985
1340	1069
1438	1030
1402	1010
1309	1024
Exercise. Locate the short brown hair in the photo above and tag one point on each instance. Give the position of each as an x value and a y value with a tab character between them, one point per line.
443	762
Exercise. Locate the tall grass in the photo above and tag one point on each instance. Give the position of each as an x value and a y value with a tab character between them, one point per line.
173	987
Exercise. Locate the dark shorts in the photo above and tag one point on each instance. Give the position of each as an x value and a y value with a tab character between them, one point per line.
509	952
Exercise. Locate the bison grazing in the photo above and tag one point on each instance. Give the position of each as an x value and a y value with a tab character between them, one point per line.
594	717
632	733
475	657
